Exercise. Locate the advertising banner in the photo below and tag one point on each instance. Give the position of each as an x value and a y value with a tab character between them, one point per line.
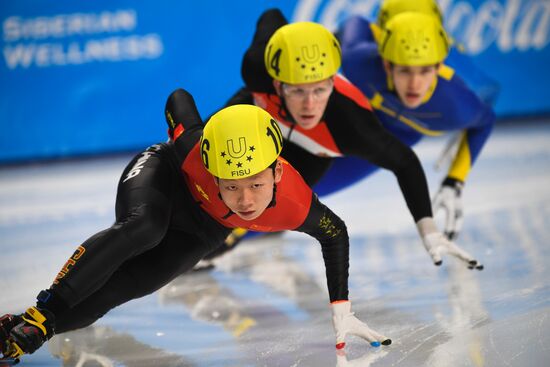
80	78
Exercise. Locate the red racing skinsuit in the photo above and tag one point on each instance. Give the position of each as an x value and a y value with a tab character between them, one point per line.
168	216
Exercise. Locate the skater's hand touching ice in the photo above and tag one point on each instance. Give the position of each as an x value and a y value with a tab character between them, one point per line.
345	322
437	245
27	332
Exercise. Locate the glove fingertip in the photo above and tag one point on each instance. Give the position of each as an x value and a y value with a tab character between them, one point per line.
479	267
450	235
386	342
340	345
375	344
438	263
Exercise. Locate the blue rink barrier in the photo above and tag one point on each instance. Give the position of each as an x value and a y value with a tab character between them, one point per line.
87	77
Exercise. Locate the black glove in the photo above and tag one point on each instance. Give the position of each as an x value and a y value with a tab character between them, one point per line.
34	328
7	323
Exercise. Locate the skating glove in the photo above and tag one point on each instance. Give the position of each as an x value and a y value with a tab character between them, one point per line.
437	244
7	323
448	198
34	328
345	322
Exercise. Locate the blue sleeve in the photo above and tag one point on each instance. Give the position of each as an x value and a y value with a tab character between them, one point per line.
472	141
475	118
478	134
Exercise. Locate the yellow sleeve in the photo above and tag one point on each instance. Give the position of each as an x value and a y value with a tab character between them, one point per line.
462	164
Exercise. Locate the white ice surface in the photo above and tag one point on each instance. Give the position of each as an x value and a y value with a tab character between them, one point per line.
265	304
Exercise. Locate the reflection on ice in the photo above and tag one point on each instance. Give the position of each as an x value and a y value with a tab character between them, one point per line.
365	361
465	338
103	346
205	299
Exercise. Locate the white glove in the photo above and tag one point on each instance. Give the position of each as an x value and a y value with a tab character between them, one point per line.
437	244
448	198
345	322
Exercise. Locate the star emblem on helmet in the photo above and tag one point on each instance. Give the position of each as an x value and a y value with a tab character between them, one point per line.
249	158
239	164
252	148
228	162
223	154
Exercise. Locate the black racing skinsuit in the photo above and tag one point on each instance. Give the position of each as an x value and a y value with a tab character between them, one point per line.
161	232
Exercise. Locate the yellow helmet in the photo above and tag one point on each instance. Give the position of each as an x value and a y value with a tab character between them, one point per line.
413	39
302	52
240	141
390	8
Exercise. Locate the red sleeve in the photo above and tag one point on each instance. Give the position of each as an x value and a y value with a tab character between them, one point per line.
344	86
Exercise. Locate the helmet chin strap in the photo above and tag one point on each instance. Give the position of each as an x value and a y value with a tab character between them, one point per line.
287	115
273	201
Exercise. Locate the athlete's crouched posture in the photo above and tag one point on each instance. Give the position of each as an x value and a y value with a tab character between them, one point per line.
177	202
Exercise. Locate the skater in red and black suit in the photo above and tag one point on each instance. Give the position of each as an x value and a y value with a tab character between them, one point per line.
176	202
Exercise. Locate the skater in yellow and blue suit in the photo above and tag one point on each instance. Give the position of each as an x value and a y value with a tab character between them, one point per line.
413	94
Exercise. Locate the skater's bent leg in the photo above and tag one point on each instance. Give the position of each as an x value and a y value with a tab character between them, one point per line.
143	215
140	276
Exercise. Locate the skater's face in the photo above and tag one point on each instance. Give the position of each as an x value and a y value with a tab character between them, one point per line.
412	83
249	197
306	102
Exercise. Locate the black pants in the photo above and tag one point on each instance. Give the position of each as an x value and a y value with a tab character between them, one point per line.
160	232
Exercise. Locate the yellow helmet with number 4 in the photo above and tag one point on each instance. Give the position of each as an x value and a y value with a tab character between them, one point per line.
414	39
390	8
302	52
240	141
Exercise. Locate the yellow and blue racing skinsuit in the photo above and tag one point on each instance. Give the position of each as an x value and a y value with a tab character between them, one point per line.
450	106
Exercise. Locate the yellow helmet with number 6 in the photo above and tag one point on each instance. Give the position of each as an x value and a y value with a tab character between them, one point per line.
240	141
302	52
390	8
414	39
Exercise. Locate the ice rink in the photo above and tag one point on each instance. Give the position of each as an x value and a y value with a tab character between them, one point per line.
266	304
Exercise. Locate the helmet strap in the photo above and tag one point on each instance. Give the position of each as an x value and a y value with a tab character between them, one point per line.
273	201
285	113
389	78
432	86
